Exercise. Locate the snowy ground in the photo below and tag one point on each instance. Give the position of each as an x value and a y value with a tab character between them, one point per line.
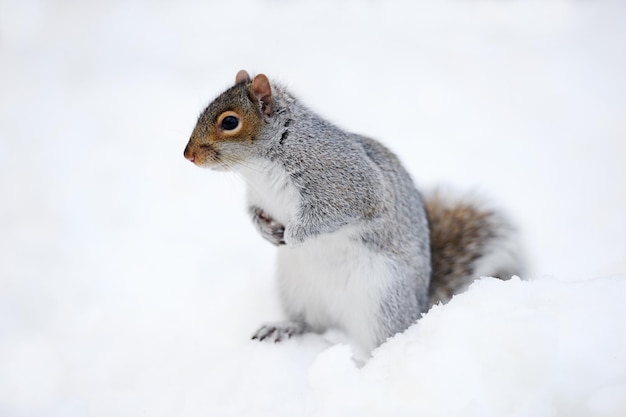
130	281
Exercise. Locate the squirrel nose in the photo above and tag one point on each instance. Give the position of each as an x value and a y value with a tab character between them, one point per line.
191	156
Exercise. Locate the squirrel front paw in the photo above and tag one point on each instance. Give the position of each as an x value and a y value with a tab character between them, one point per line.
276	332
270	230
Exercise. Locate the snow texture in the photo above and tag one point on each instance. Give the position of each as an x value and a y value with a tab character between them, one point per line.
131	281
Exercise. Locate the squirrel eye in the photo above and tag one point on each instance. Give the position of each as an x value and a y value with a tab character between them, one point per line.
230	123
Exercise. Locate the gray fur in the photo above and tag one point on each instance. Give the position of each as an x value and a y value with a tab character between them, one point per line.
345	179
344	183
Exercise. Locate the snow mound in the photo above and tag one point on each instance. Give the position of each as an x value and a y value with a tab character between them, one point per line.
503	348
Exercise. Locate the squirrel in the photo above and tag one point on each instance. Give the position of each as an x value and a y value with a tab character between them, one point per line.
358	246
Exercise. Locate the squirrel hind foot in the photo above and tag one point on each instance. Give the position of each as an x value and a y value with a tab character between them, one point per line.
277	332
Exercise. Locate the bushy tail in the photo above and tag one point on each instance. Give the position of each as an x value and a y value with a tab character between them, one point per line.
468	240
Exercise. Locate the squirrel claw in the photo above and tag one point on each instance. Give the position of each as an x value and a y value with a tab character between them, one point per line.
277	332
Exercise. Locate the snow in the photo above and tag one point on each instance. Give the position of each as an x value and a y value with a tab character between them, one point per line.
131	281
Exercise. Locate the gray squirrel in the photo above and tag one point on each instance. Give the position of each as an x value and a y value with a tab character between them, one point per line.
359	248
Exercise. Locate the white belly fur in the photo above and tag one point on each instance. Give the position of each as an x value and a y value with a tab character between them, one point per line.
333	281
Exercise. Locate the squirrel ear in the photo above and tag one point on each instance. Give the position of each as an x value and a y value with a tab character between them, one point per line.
242	77
263	92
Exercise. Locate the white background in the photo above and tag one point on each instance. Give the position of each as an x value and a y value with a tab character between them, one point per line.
130	280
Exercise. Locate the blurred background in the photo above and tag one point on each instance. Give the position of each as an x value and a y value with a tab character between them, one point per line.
111	243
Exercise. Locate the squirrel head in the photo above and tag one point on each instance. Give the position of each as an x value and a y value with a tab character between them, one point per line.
232	121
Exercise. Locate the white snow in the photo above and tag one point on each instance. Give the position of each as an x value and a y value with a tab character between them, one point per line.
131	281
